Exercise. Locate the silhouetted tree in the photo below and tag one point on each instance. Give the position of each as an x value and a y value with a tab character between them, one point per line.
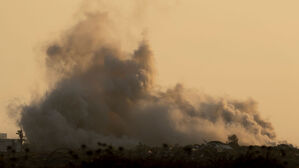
232	139
21	137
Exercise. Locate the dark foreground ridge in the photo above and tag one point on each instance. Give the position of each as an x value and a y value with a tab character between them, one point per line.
209	155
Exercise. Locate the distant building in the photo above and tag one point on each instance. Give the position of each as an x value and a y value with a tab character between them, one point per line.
3	136
9	144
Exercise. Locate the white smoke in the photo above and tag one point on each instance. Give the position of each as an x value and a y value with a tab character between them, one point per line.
105	94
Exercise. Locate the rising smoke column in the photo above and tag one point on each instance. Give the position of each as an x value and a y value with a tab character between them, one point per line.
102	93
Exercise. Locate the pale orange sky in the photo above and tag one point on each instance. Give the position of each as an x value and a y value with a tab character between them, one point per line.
240	49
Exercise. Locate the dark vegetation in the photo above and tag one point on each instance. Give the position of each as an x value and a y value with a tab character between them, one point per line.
212	154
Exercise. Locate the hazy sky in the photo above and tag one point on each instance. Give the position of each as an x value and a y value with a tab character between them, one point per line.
240	49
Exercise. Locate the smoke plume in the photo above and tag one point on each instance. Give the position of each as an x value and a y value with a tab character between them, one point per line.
103	94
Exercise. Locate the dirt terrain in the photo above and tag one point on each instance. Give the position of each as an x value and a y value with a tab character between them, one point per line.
211	154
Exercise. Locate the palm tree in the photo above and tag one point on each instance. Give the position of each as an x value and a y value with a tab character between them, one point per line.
21	137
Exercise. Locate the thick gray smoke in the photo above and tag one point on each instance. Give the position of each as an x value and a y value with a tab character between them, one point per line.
105	94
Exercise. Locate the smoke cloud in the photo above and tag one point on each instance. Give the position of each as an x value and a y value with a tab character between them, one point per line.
103	94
